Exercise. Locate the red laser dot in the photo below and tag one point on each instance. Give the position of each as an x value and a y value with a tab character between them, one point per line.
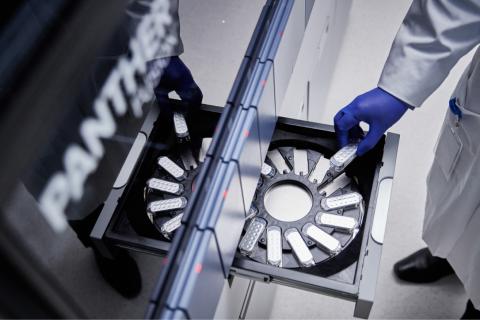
281	33
263	83
246	133
165	261
225	193
198	268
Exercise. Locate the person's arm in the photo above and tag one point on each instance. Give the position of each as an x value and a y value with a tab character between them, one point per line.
434	35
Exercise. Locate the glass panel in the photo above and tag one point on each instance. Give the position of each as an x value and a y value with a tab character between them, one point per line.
79	81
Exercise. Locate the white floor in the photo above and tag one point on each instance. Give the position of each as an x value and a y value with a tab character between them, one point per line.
367	41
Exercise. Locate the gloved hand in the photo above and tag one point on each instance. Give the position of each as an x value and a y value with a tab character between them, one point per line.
376	107
177	77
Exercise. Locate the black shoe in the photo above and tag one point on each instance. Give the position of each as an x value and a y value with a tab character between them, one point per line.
470	312
121	273
422	267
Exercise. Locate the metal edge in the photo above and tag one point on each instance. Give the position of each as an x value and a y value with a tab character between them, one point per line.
292	278
131	161
280	31
272	32
235	133
373	251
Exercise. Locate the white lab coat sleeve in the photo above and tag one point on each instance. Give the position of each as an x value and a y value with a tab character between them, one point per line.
434	35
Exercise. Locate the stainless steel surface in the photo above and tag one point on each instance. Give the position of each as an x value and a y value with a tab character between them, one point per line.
267	111
161	185
318	173
299	248
300	159
251	237
338	222
274	246
288	50
322	239
287	202
171	225
188	160
310	77
344	201
167	205
278	161
340	182
172	168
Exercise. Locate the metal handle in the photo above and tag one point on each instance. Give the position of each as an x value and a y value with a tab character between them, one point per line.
131	160
381	209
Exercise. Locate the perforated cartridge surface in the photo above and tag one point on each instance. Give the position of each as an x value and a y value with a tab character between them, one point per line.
180	125
252	235
161	185
167	205
323	240
172	168
171	225
343	157
344	201
338	222
299	248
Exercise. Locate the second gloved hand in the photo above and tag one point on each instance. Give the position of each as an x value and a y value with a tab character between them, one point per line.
376	107
177	77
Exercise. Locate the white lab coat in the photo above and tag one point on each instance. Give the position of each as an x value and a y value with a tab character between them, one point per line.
432	38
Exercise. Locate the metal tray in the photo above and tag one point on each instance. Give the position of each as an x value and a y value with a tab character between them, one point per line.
123	221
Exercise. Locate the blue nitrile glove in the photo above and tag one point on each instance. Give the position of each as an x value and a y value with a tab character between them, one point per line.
177	77
376	107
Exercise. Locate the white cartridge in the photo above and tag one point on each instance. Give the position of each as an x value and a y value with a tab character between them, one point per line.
251	237
267	170
343	157
338	222
299	248
181	128
167	205
172	168
171	225
274	246
164	186
344	201
323	240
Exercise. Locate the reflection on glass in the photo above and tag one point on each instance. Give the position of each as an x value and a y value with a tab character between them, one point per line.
149	77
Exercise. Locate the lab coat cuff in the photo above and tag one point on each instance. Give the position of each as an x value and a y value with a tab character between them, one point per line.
401	95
